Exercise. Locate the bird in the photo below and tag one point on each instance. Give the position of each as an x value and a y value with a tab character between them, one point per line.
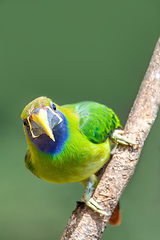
70	143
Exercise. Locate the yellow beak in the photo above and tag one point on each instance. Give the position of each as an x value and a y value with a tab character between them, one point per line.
41	119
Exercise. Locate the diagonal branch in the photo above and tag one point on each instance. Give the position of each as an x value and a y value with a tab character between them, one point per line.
87	224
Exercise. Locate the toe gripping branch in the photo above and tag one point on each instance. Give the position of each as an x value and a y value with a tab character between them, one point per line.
90	184
117	136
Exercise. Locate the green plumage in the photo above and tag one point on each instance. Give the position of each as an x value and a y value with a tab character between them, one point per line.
96	121
67	143
86	149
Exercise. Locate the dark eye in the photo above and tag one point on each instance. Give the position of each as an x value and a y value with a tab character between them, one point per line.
25	123
53	106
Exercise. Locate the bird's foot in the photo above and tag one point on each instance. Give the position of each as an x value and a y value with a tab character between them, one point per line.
90	185
95	206
117	137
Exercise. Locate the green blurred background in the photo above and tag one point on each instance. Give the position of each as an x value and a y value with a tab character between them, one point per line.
72	51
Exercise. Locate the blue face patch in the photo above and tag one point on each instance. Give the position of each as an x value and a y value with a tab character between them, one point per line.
45	144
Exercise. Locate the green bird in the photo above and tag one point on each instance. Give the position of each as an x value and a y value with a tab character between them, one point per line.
70	143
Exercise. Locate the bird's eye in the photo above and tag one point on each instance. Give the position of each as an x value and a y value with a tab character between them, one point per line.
53	106
25	123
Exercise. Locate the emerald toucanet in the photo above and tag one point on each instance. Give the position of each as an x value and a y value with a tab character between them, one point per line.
70	143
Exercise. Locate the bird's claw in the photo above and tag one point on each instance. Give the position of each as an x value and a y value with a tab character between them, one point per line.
90	185
95	206
117	137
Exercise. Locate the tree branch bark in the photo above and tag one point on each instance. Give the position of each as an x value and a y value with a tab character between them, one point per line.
87	224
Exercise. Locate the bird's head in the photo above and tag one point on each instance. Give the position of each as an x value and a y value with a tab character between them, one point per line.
40	117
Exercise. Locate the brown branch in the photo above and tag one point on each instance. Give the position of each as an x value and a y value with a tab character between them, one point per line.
87	224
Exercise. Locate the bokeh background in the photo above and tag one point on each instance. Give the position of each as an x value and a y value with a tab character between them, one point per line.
72	51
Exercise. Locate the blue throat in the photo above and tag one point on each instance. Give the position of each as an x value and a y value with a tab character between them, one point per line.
46	145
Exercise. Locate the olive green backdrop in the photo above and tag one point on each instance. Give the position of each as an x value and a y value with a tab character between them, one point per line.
71	51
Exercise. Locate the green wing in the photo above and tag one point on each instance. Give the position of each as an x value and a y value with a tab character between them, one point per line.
96	120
